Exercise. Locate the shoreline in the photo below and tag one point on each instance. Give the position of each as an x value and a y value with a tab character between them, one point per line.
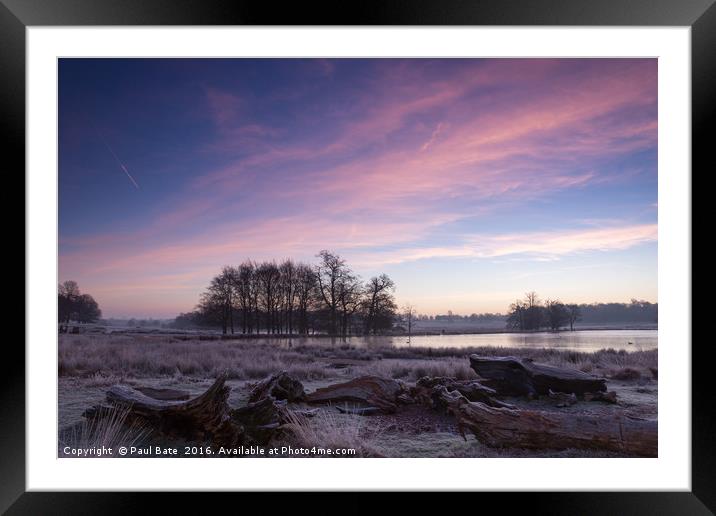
211	335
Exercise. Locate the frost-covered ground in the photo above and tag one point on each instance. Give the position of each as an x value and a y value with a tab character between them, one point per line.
89	364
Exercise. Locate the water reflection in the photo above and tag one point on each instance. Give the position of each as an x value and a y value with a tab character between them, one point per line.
628	340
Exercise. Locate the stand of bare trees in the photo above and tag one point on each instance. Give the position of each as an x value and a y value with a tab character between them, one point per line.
294	298
530	313
72	305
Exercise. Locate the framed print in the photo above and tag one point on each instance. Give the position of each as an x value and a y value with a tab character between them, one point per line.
447	247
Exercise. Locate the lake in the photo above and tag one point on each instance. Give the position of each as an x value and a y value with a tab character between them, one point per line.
586	340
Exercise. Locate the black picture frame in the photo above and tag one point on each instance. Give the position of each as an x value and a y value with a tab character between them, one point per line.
700	15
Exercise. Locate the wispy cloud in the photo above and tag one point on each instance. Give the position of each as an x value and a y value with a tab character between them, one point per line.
390	159
438	129
542	245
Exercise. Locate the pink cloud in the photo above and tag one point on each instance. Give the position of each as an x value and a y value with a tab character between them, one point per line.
414	153
538	245
566	119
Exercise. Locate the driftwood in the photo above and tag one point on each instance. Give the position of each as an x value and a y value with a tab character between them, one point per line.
373	391
205	418
473	390
501	427
280	386
512	376
164	394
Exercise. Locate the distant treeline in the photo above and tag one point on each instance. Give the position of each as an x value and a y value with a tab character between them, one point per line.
530	313
636	311
294	298
144	323
451	317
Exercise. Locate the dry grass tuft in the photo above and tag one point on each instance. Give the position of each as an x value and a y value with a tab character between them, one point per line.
329	430
109	432
414	369
626	374
105	380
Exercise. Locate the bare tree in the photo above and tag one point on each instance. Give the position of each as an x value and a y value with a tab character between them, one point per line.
533	311
329	273
556	312
379	302
305	292
574	314
349	298
255	292
527	313
87	309
408	316
73	305
244	282
268	277
218	299
288	287
516	316
67	295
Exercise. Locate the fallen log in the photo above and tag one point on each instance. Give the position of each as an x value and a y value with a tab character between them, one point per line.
372	391
514	377
473	390
164	394
205	418
280	386
501	427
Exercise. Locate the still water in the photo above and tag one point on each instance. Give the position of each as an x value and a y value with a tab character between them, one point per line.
587	340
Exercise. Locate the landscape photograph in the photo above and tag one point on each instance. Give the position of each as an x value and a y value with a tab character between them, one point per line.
353	257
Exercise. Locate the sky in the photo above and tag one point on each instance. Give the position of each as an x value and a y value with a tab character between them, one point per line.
468	181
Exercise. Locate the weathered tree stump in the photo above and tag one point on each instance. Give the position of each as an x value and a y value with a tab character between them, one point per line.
203	419
512	376
280	386
374	391
260	419
501	427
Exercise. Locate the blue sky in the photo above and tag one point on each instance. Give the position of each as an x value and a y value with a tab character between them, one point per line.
468	181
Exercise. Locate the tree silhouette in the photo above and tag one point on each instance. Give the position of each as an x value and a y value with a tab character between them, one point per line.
72	305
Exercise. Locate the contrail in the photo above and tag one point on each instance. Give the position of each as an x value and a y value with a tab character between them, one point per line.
119	162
